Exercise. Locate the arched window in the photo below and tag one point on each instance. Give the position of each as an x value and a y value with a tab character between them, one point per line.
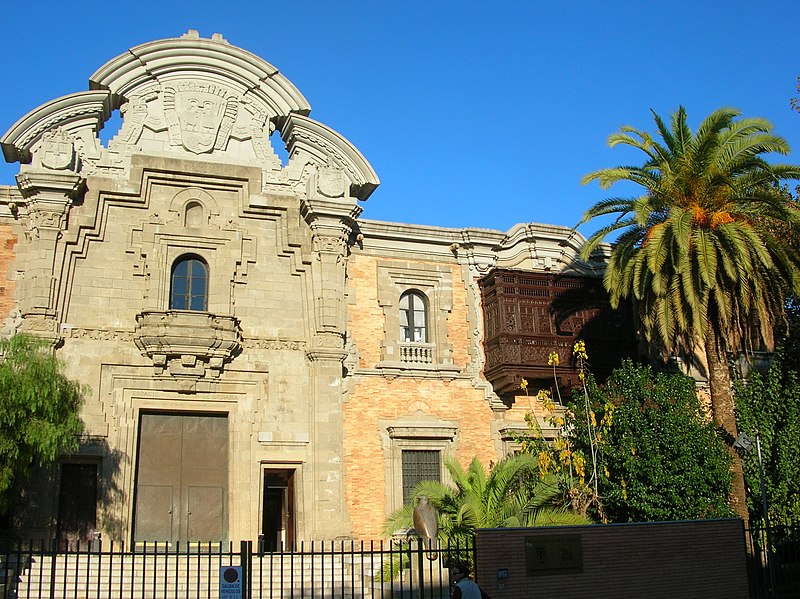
189	290
413	317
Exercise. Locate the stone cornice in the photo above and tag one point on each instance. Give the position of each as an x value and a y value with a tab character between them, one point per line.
530	246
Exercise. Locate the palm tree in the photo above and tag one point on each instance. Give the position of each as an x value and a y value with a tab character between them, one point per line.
695	252
511	494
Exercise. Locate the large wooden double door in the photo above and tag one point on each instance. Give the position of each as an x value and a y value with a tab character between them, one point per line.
182	479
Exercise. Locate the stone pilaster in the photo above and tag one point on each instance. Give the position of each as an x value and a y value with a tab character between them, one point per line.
49	195
331	223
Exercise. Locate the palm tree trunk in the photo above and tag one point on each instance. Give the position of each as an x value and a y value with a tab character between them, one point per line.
722	407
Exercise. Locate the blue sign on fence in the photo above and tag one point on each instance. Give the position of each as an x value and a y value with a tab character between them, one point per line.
230	582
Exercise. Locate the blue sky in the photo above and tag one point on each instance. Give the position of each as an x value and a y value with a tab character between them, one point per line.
473	114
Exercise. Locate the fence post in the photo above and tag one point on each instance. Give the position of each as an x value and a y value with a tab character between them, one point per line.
246	561
421	566
53	548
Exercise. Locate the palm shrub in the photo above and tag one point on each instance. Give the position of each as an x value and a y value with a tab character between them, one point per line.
510	494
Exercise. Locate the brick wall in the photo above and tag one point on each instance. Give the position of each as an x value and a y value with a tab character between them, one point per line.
8	241
373	399
664	560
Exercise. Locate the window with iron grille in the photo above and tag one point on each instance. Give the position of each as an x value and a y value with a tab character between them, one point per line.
419	465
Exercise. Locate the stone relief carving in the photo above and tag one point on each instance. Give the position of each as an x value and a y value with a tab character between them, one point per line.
328	341
199	115
260	131
327	346
12	324
42	218
194	115
99	334
331	182
50	123
277	344
57	150
134	114
333	152
330	244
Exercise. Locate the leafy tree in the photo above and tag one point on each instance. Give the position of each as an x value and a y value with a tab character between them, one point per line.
511	494
659	455
706	275
769	405
38	411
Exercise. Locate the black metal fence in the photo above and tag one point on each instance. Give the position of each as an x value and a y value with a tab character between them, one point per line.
774	561
389	570
401	570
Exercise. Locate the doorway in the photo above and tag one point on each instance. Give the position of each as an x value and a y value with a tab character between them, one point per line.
77	505
277	517
182	479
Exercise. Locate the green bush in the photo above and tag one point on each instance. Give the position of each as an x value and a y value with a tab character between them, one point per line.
659	456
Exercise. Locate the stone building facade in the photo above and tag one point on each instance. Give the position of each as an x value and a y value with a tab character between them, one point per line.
259	358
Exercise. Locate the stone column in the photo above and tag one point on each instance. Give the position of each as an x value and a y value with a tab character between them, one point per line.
49	195
331	222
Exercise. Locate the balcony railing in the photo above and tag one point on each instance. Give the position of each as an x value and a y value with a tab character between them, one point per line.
417	353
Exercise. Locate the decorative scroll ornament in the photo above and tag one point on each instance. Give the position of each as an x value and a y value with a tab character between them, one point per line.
199	116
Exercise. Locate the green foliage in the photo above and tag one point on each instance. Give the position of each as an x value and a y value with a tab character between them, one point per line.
659	456
769	405
561	457
510	494
38	411
789	335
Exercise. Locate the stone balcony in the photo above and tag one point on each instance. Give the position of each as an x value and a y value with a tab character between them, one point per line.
188	345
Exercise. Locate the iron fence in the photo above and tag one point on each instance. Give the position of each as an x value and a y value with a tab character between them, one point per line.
396	569
774	561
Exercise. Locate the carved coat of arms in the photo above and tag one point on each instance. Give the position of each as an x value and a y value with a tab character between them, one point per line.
199	116
57	151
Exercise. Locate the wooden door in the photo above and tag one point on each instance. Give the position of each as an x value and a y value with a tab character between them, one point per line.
77	505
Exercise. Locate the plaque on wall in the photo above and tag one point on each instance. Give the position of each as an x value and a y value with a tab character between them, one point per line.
553	554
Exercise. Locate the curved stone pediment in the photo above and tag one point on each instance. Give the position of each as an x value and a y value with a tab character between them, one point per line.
215	61
79	116
188	97
311	141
